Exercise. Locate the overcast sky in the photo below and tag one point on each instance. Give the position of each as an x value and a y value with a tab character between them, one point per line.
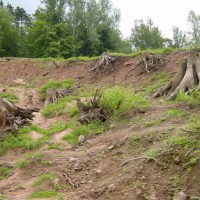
165	14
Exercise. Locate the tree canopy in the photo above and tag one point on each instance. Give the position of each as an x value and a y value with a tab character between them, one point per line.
66	28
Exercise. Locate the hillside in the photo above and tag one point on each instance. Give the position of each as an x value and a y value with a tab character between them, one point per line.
147	151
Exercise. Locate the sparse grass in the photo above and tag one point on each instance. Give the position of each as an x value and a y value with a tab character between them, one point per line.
22	164
186	142
43	178
57	108
73	111
155	122
23	140
154	82
152	153
93	128
55	84
193	99
55	146
43	194
175	113
4	171
83	58
12	98
127	98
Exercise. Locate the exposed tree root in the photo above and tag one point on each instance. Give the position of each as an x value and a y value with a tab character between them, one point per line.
53	95
91	111
147	62
12	117
104	65
185	79
138	158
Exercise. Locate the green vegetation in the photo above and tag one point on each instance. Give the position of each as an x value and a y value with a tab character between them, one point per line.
192	99
23	140
4	171
55	84
55	146
93	128
121	99
57	108
43	194
43	178
12	98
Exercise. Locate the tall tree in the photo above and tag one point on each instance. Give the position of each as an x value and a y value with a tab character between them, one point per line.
8	34
50	36
146	35
194	33
95	25
179	38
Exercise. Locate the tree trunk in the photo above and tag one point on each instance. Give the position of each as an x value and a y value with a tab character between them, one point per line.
186	77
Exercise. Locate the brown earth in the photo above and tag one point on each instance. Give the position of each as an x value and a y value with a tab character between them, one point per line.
92	170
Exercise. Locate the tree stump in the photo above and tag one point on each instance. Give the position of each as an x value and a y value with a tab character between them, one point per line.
103	65
12	117
91	111
186	78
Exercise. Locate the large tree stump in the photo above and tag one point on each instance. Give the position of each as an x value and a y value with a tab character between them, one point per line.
103	65
12	117
147	62
91	111
186	78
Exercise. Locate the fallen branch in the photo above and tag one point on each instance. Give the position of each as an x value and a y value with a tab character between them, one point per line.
138	158
74	186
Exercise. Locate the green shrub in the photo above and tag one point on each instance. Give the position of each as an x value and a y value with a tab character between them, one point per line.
129	100
55	84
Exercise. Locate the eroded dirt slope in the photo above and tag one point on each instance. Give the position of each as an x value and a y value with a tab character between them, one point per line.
93	169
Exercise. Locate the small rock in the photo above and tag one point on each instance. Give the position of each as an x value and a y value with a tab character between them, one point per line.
81	139
111	147
78	167
111	188
143	178
56	181
180	196
177	160
72	159
98	171
113	125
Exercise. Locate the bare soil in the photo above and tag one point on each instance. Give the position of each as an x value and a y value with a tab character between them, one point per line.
91	170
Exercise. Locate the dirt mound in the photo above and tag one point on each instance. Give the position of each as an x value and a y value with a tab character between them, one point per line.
92	169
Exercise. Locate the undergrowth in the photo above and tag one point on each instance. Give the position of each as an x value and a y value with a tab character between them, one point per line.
55	84
22	139
12	98
120	99
93	128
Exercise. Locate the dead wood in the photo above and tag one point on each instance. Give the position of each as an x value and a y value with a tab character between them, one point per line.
91	110
138	158
103	65
53	94
147	62
12	117
186	78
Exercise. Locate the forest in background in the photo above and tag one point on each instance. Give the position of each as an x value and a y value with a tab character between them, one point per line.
68	28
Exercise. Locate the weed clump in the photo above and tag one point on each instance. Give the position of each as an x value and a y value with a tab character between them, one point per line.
55	84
